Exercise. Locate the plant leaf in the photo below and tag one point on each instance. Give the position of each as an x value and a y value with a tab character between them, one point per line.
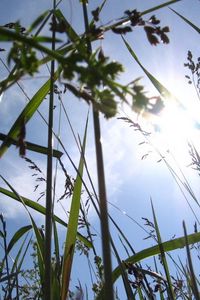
187	21
73	36
27	113
159	7
18	234
164	92
162	255
73	224
38	236
32	146
148	252
41	209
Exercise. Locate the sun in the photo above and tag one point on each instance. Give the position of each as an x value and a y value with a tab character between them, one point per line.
174	128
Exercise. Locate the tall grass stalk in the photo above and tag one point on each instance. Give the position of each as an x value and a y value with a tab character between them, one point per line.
49	198
108	292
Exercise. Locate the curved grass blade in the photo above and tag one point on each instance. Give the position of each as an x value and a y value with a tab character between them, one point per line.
27	113
147	11
31	146
164	92
18	261
41	209
159	7
193	280
56	269
38	235
148	252
8	277
40	19
71	33
162	256
8	35
197	29
73	224
18	234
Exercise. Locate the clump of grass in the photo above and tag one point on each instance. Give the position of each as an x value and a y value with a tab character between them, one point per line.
92	76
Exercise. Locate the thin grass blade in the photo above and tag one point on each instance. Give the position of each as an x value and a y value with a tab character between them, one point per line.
197	29
152	251
8	35
193	280
40	19
31	146
164	92
17	236
18	262
159	6
73	224
37	232
27	113
71	33
162	255
41	209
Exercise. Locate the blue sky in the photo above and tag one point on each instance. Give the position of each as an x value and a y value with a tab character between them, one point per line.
131	180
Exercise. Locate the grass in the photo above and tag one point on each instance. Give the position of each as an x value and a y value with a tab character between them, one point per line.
90	75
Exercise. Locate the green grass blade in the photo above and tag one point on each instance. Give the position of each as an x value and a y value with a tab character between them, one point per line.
56	242
164	92
41	209
9	277
152	251
71	33
162	255
193	280
40	19
159	7
18	261
73	224
31	146
197	29
56	268
8	35
18	234
38	236
27	113
127	286
124	20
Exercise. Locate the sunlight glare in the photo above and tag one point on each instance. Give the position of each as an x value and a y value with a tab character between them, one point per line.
175	127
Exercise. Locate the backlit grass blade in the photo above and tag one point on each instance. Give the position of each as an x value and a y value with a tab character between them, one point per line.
8	35
17	236
71	33
56	268
31	146
40	19
73	224
147	11
18	261
193	280
152	251
38	235
159	6
162	255
41	209
164	92
27	113
197	29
